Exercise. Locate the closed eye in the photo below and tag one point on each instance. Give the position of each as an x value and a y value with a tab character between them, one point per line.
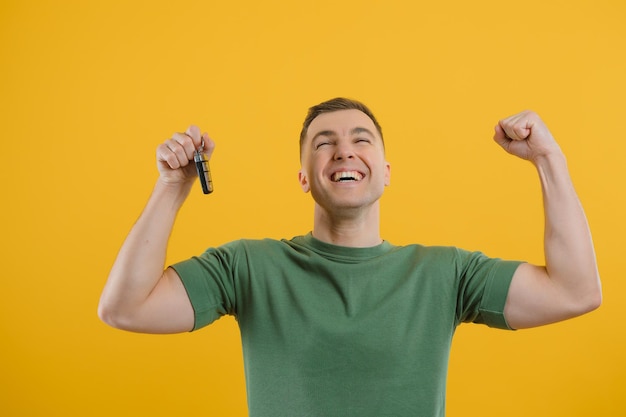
320	144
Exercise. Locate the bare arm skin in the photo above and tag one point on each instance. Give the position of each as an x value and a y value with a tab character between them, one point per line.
569	284
139	294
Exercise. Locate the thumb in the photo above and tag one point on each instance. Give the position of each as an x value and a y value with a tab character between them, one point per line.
518	126
208	145
193	132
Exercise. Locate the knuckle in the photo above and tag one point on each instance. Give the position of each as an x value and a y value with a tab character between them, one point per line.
172	161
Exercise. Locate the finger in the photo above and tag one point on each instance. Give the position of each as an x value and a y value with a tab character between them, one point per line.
167	156
501	138
180	149
209	145
186	147
520	131
515	130
193	132
518	126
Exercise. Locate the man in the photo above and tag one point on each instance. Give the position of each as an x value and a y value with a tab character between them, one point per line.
340	322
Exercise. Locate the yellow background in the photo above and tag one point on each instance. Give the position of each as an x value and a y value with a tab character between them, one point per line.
89	89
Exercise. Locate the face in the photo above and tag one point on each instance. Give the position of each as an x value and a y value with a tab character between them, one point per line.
343	161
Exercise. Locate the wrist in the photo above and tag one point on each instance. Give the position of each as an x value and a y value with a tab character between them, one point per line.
175	191
550	160
553	174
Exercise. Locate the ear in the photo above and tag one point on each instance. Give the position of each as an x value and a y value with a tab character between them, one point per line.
304	183
387	173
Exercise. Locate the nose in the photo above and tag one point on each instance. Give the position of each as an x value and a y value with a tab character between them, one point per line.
343	151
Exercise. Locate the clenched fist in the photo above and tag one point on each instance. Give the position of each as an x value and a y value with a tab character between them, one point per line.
526	136
175	155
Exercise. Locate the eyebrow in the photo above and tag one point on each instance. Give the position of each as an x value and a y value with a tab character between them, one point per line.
355	131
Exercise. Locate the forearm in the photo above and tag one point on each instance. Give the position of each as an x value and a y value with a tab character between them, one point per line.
569	252
140	262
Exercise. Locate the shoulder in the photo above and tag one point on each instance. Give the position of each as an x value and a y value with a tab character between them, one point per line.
451	259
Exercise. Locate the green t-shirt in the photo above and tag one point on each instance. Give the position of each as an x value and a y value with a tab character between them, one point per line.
347	332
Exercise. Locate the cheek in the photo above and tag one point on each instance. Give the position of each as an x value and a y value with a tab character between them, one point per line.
314	168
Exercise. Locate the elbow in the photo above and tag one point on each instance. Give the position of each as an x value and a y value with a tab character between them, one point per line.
595	295
112	315
595	300
107	314
592	300
120	316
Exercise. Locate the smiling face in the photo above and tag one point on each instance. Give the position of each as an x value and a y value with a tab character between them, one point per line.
343	161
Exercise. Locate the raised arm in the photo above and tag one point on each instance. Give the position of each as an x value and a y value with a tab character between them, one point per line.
139	294
569	284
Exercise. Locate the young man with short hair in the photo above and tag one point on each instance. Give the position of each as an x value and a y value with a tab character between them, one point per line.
339	322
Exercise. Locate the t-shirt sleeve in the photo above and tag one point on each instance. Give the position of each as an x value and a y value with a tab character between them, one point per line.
209	280
483	289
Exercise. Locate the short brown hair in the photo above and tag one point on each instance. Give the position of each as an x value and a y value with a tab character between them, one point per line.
336	104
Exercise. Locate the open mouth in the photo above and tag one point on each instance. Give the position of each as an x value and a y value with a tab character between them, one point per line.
346	176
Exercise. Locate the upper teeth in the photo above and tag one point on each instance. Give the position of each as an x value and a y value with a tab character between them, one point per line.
347	175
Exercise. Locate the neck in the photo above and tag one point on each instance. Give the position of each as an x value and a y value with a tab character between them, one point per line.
358	228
